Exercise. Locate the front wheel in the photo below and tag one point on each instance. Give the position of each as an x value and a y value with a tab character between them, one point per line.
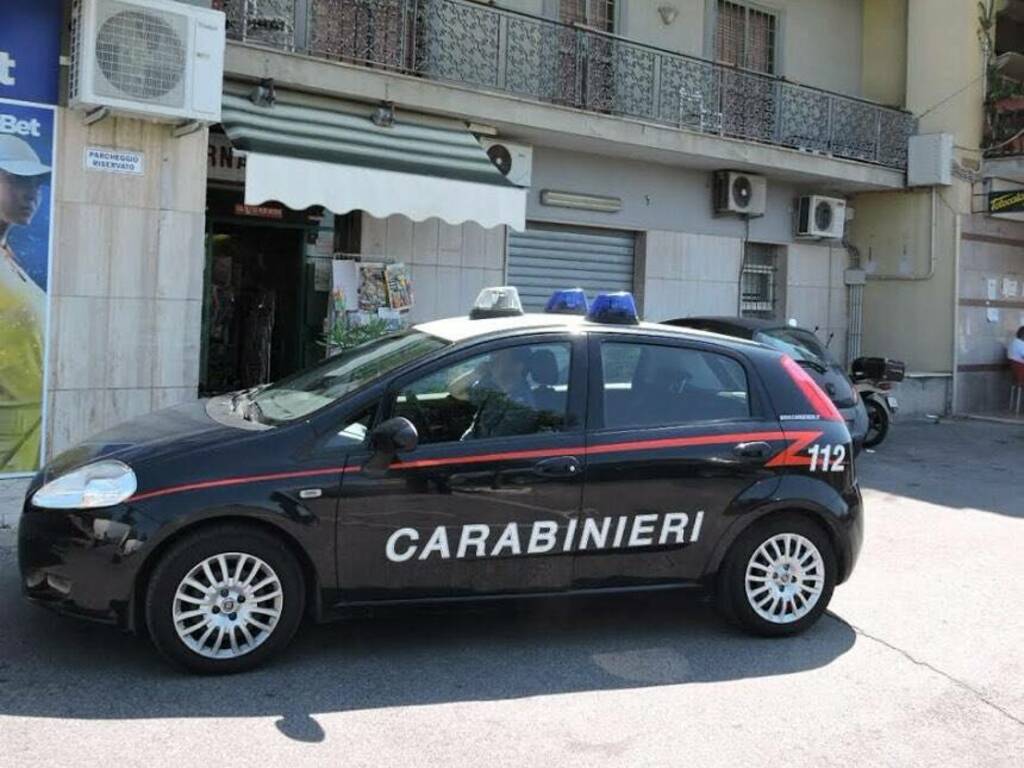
778	576
224	599
878	423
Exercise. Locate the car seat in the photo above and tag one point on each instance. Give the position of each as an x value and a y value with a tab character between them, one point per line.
544	372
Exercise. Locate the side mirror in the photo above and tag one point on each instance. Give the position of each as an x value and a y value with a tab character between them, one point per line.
397	435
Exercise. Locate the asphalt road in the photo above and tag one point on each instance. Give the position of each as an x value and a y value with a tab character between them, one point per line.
920	662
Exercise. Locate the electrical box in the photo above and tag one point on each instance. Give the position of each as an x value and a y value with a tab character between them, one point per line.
930	160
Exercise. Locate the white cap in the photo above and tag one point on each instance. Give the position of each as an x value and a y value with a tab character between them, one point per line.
19	159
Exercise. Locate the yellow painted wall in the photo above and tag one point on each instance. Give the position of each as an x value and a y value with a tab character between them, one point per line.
884	51
945	69
908	320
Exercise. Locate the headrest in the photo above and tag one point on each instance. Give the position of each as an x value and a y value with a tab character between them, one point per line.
544	367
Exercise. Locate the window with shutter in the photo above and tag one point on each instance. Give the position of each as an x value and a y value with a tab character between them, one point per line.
746	36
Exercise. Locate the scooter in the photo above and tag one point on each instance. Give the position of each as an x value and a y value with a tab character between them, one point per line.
874	379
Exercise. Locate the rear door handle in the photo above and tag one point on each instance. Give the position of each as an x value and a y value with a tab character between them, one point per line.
559	466
756	450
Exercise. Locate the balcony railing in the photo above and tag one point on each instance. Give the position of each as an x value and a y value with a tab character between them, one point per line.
496	50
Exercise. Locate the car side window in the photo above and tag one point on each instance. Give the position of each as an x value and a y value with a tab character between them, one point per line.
353	432
655	385
519	390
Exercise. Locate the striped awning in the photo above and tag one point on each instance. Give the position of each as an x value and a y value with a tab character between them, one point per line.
305	150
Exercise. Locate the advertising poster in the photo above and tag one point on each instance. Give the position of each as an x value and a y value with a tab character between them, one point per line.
26	204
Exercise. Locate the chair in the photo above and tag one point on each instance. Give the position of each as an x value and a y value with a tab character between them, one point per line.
1017	387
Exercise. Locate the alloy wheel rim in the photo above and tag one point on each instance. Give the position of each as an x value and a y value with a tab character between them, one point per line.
784	578
227	605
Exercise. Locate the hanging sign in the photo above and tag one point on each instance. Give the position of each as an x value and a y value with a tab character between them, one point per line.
1009	201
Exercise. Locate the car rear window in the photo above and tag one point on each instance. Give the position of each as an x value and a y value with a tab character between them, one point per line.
656	385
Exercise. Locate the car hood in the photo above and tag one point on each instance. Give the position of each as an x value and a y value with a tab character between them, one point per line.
184	428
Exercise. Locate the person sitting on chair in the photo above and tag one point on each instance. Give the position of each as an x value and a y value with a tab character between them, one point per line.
1015	349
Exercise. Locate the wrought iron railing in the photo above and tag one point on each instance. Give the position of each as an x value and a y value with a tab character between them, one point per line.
488	48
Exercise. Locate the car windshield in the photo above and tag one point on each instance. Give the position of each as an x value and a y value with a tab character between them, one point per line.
801	345
302	393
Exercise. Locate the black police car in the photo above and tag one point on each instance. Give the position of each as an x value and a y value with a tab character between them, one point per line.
464	458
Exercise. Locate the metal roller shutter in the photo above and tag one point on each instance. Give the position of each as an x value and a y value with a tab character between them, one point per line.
543	259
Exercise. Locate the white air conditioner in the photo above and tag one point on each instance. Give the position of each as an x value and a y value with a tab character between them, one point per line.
154	59
821	217
742	193
515	161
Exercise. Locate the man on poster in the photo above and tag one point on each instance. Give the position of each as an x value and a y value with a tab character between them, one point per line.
22	311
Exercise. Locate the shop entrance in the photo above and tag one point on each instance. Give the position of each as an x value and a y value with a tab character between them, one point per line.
252	313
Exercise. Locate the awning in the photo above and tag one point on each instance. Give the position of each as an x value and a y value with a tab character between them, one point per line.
305	151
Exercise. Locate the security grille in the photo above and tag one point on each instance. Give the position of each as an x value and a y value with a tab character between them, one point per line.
757	281
544	259
141	54
745	36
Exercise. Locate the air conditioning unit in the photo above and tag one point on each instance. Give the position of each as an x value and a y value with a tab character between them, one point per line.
821	217
154	59
741	193
515	161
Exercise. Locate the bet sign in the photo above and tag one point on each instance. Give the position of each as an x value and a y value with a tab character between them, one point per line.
30	51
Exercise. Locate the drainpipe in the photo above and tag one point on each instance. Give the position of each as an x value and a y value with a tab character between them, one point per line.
931	254
955	386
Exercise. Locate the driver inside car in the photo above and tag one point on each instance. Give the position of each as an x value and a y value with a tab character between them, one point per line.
501	395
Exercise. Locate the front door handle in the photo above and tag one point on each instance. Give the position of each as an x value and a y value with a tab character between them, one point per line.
756	450
559	466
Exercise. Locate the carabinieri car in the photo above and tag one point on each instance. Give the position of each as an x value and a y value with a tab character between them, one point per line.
468	458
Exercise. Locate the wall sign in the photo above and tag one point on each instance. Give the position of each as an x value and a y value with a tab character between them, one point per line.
222	162
30	51
1009	201
115	161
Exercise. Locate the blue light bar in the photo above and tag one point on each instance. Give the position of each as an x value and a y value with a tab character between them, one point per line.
618	308
571	301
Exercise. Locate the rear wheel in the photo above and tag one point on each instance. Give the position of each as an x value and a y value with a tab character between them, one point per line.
224	599
778	577
878	423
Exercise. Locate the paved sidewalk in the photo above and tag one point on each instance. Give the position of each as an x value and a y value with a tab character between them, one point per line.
12	494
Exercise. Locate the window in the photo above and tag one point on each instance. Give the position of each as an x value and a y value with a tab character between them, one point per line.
757	281
511	391
803	346
652	385
746	36
597	14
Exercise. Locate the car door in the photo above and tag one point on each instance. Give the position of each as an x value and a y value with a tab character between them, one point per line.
482	504
678	437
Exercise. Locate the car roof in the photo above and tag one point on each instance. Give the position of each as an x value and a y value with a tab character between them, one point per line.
751	324
459	329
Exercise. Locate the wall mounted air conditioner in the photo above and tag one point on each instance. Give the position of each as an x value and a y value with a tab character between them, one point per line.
515	161
820	217
154	59
745	194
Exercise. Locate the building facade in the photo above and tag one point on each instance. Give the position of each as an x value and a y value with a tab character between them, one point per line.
354	130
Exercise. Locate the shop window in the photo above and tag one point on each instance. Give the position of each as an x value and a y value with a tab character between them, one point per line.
648	385
758	281
746	36
519	390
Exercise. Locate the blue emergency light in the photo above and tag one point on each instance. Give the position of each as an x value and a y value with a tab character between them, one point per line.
617	308
570	301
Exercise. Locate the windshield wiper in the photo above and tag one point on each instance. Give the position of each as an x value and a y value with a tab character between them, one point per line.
813	364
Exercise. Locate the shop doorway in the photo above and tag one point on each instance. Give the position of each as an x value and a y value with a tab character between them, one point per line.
253	312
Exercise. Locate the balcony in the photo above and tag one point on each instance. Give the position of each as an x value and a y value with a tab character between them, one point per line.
481	47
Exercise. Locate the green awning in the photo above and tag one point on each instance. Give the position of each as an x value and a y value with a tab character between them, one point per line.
307	150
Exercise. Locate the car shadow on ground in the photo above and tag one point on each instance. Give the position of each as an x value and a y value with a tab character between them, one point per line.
51	666
960	464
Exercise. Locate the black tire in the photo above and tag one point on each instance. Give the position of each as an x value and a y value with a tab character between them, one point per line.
731	586
878	423
191	551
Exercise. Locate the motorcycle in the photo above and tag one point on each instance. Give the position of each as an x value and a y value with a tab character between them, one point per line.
874	379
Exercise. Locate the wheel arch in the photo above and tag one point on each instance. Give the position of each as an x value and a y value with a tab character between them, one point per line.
311	582
823	518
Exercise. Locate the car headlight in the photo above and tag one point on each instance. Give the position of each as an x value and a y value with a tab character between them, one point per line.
93	486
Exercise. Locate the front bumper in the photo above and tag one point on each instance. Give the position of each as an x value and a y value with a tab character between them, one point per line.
81	562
